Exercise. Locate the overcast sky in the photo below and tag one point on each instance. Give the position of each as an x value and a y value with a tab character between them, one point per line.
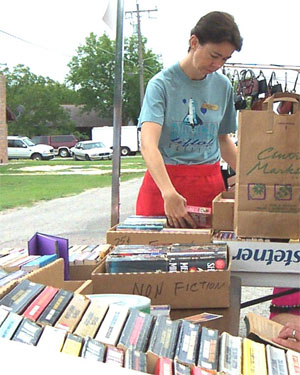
44	35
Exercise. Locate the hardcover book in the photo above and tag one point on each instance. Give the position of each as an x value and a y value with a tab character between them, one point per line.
21	296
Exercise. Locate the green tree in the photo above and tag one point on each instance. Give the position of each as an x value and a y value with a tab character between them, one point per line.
92	75
36	101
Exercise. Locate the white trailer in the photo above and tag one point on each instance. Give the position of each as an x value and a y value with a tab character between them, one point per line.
130	143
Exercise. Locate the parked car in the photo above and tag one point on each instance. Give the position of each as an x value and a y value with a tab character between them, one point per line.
91	150
23	148
61	143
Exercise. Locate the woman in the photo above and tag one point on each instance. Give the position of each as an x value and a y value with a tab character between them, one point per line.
186	118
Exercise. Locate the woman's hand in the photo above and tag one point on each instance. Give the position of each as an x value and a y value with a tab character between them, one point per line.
289	336
175	209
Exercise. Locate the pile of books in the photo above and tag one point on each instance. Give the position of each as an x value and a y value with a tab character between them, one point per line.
87	254
139	222
172	258
61	321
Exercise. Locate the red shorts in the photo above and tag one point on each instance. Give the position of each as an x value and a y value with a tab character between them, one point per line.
198	184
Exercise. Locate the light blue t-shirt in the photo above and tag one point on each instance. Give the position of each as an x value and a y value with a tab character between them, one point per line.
192	114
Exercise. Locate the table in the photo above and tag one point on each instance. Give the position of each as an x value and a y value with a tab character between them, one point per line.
231	316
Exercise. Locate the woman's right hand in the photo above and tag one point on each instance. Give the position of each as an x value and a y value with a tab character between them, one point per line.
175	210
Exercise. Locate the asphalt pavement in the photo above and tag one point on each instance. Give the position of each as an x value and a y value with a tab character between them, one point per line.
84	219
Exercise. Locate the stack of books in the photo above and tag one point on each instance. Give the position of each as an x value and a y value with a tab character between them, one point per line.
172	258
57	320
141	223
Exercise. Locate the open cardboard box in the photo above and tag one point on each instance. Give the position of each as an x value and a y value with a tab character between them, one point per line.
52	275
223	211
197	237
180	290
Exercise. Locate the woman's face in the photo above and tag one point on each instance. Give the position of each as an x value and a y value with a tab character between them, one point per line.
209	57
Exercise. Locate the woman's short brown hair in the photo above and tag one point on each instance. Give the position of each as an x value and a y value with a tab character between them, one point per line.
218	27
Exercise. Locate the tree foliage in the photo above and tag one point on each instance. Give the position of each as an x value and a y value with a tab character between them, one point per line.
36	102
92	73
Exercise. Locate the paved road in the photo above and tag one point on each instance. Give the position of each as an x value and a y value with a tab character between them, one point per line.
84	219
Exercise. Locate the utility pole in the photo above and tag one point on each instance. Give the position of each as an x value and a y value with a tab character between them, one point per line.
138	12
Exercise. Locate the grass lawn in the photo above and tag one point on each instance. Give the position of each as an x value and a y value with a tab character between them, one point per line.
23	183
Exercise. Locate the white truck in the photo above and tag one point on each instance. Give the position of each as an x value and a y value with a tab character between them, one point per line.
130	142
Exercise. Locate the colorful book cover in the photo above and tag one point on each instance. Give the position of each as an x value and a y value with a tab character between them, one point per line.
114	356
91	320
72	345
208	350
40	262
38	305
187	344
293	362
254	358
164	366
135	360
55	308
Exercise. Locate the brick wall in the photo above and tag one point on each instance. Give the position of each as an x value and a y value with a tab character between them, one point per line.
3	124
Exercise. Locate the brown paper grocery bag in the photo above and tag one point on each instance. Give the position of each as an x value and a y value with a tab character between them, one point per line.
267	200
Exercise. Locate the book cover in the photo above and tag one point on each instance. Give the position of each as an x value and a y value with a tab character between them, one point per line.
38	305
136	263
114	356
56	307
12	276
201	215
28	332
93	349
10	325
16	265
208	350
230	357
276	361
164	366
91	320
180	369
164	336
136	331
135	360
21	296
187	345
52	339
254	358
72	345
45	244
39	262
112	325
73	313
293	362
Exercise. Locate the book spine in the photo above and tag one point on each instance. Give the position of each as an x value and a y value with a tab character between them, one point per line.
181	369
187	345
38	305
208	351
114	356
91	320
276	361
52	339
10	325
72	345
135	360
55	308
164	366
73	312
293	362
254	358
112	325
230	358
93	349
28	332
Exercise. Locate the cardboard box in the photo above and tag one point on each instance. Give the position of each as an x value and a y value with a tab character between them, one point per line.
223	211
198	237
53	275
81	272
180	290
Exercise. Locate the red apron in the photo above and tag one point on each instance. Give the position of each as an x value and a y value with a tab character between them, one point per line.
198	184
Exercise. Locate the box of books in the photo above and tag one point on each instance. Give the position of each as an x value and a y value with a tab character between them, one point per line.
222	211
185	289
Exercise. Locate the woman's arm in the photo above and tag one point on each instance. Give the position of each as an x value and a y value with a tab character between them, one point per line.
228	150
174	203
